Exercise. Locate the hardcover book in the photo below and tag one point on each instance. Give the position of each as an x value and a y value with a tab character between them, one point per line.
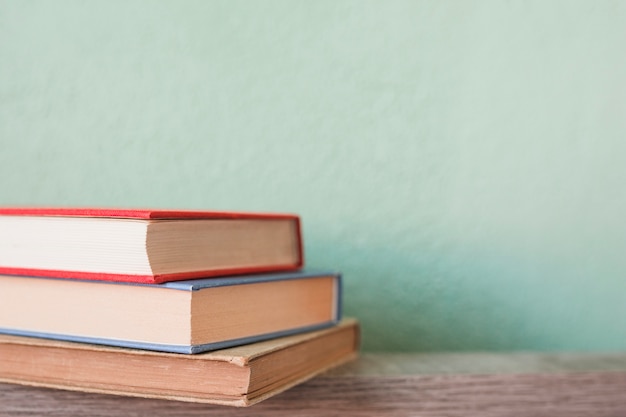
238	376
184	316
147	246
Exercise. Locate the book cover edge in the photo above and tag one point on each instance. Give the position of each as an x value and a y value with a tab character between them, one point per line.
168	348
144	279
140	213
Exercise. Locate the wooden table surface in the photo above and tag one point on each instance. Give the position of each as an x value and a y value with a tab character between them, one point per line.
391	385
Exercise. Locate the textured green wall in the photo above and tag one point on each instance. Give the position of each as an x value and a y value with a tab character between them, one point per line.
461	162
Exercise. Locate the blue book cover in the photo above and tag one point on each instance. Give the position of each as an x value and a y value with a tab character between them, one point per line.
188	317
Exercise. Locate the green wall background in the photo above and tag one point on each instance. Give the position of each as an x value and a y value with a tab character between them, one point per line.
461	162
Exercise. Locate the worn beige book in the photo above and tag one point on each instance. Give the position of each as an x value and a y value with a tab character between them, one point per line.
239	376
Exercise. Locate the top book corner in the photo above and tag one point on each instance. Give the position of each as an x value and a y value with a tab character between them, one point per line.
146	246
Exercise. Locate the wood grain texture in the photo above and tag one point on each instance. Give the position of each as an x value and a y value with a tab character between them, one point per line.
391	385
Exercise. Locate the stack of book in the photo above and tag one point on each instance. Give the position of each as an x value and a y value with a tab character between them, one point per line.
187	305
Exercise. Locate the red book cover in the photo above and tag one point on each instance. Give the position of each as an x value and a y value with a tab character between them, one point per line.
148	215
